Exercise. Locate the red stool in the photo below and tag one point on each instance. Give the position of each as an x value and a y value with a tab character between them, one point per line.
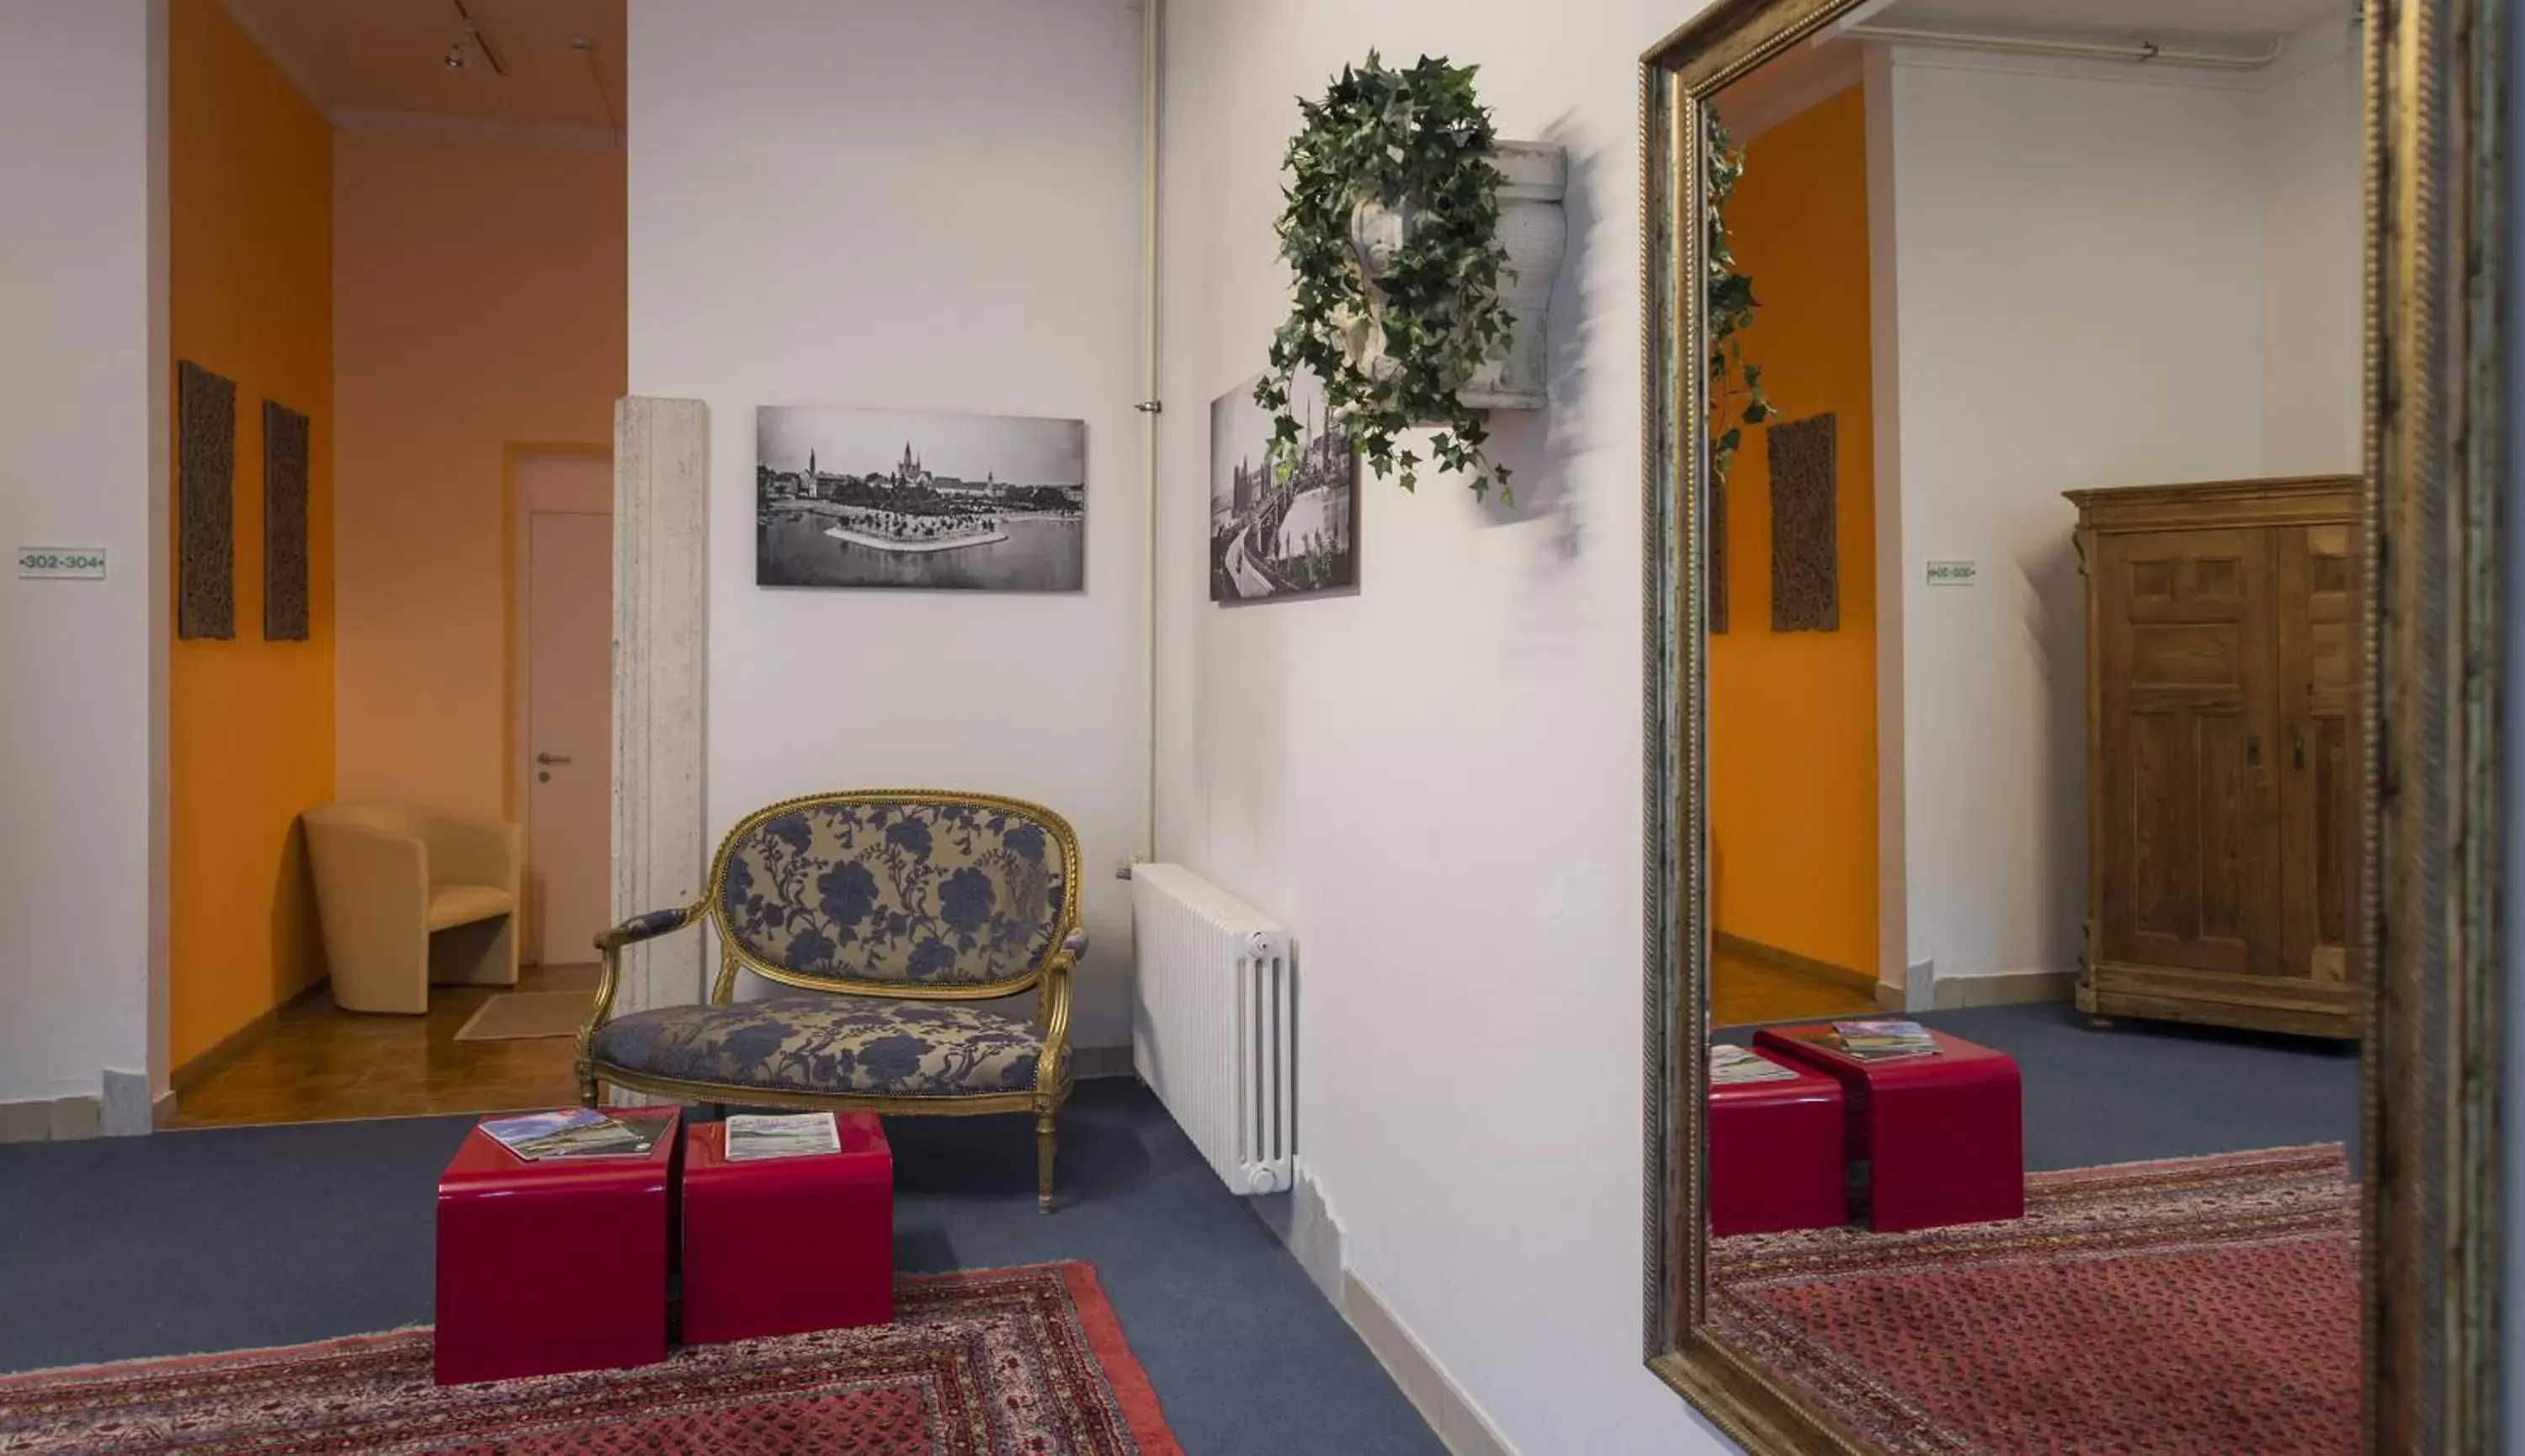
1775	1155
785	1246
1942	1136
549	1267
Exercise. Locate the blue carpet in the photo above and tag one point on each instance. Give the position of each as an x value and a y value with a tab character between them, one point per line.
228	1238
2159	1089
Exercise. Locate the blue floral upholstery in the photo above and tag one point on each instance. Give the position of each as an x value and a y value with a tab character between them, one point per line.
888	890
827	1044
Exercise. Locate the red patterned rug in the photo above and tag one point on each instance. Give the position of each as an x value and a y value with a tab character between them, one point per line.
2201	1305
993	1363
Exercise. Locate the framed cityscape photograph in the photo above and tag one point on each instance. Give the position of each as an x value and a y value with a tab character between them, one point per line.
847	497
1285	528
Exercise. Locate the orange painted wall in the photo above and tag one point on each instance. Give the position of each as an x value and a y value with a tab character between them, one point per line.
250	196
1793	715
480	298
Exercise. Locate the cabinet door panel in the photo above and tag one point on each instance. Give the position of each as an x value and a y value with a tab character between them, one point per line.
2189	875
2318	669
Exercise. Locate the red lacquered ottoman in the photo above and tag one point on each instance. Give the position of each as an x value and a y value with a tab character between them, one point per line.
785	1246
555	1266
1776	1155
1942	1136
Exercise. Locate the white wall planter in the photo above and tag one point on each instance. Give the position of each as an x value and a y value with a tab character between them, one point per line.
1535	233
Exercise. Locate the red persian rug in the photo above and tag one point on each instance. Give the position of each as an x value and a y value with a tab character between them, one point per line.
993	1363
2201	1305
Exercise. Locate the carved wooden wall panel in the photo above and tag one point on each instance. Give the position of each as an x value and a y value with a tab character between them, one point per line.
205	509
284	524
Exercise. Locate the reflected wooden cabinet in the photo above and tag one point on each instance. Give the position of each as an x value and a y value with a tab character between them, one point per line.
2221	803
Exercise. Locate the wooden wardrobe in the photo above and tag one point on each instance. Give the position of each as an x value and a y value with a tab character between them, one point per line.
2223	808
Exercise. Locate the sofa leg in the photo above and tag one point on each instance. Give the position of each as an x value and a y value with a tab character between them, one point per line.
1043	1161
587	1088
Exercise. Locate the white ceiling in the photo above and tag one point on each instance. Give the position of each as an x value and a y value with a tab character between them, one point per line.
2255	19
389	57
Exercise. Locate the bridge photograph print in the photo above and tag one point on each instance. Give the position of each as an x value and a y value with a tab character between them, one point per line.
1280	527
887	498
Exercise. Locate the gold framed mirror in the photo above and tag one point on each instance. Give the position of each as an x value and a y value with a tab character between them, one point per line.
2424	629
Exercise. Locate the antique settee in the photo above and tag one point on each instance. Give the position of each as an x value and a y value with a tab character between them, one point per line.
886	923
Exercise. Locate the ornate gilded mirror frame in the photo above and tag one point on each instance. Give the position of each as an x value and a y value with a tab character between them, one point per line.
2432	539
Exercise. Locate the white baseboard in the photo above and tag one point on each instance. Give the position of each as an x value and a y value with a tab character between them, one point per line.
1461	1425
2004	988
1314	1238
52	1120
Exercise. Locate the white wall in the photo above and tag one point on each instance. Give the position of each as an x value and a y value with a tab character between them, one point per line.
2100	279
83	401
2307	150
1436	782
915	204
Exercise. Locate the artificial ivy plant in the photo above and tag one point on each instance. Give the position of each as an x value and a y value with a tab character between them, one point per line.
1736	396
1392	337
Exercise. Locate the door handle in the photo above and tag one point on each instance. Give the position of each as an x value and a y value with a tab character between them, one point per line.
552	758
2296	745
2252	751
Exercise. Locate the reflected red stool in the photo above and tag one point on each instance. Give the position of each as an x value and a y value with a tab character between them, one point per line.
1942	1136
785	1246
545	1267
1775	1155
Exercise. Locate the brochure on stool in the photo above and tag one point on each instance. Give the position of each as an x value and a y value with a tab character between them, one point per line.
1734	1066
755	1136
1877	1041
579	1133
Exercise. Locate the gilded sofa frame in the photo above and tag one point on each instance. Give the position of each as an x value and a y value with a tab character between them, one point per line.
1051	973
2432	542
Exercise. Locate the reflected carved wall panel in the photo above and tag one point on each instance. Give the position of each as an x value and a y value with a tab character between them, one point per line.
1718	554
1805	502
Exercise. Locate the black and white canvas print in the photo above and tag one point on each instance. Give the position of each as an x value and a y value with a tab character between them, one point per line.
1280	534
888	498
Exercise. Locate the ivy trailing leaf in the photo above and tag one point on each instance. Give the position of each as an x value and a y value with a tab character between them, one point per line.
1736	396
1392	349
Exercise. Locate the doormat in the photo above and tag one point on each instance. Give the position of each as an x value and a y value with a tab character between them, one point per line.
2197	1305
1006	1362
516	1016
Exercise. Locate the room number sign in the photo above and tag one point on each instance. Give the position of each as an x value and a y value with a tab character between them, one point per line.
61	563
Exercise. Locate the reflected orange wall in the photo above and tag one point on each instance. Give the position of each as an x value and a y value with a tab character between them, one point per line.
1793	715
250	186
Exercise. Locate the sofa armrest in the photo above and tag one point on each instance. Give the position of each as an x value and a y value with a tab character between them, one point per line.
647	926
372	904
1074	944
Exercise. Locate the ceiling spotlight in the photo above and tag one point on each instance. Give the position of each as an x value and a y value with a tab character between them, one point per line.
471	41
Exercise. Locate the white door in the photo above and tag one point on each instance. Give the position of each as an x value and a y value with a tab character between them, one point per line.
568	721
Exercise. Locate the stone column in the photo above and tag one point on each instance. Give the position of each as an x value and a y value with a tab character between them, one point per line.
661	640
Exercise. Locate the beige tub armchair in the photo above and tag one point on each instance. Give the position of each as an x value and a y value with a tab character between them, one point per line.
410	896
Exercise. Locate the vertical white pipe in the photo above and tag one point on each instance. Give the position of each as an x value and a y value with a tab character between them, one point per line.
1151	15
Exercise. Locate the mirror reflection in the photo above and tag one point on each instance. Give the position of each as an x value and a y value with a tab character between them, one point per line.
2036	427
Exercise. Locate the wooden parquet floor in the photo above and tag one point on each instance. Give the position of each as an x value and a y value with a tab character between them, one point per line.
321	1063
1743	992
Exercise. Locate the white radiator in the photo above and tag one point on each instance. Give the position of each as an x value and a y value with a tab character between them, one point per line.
1214	1024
